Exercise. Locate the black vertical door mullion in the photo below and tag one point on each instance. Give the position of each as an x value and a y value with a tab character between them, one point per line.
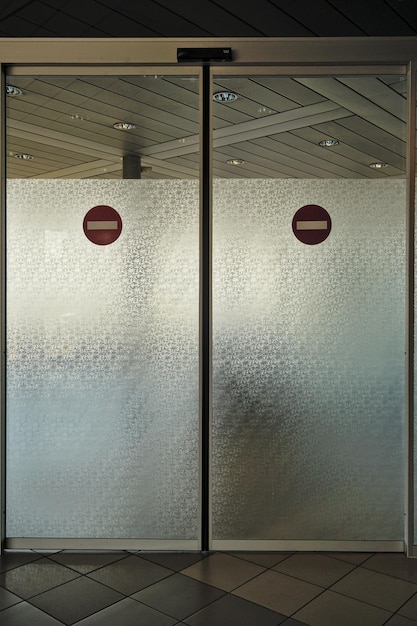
206	307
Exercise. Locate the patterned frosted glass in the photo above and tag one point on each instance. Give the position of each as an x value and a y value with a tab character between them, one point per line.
102	342
308	362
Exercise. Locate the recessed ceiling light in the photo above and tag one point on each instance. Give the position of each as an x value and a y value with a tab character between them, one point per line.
266	111
225	96
13	91
79	118
124	126
25	157
235	162
378	166
329	143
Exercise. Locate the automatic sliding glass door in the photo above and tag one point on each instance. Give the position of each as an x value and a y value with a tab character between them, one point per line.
104	324
103	310
308	311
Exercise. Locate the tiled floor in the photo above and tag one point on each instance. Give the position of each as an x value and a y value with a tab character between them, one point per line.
210	589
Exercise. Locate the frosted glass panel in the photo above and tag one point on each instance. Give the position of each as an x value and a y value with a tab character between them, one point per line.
102	342
308	362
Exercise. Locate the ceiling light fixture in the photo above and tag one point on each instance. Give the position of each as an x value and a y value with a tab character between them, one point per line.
25	157
329	143
235	162
225	96
124	126
13	91
378	166
79	118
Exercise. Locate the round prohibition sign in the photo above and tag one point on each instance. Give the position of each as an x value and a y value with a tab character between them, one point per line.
102	225
311	224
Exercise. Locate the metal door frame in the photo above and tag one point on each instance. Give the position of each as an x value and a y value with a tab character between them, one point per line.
281	56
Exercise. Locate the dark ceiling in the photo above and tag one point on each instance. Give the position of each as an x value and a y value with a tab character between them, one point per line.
208	18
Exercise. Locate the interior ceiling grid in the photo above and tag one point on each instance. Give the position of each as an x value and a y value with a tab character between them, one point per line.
282	142
369	131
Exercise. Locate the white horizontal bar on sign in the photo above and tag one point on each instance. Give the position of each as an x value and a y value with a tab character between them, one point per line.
312	225
102	225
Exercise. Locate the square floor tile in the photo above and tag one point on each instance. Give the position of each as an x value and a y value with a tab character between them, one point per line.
397	565
278	592
223	571
130	574
332	609
399	620
378	589
85	562
176	561
409	609
7	599
178	596
36	577
351	557
76	600
314	568
128	612
10	560
24	614
232	611
266	559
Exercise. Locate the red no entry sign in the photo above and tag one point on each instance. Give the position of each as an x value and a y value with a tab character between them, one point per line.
102	225
311	224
